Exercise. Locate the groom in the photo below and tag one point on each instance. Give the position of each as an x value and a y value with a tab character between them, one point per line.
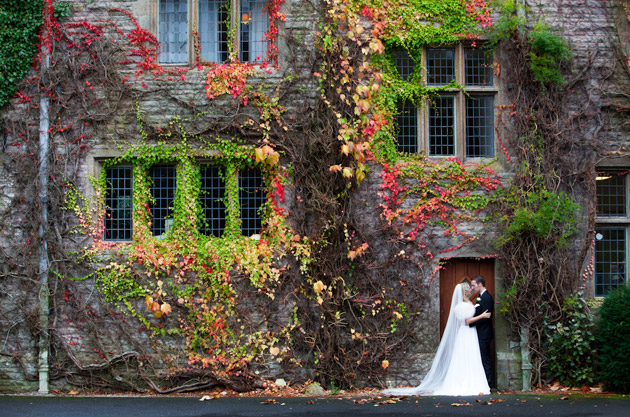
484	326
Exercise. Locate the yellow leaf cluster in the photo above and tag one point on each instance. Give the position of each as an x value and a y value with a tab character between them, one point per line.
267	155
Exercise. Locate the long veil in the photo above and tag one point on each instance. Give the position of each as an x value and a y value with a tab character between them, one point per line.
433	380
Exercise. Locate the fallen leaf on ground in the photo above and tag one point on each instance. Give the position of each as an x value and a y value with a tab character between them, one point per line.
210	397
387	402
269	401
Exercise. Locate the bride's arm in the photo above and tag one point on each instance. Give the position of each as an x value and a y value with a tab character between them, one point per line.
484	315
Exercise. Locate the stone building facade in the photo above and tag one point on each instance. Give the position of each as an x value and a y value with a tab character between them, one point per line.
147	104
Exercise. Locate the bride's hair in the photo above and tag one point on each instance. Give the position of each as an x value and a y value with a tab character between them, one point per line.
465	288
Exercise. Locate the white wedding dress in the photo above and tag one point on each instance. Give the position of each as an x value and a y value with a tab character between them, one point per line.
456	368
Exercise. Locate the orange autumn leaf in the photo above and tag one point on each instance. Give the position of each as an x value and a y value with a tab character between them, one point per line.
165	308
272	158
148	300
260	155
319	287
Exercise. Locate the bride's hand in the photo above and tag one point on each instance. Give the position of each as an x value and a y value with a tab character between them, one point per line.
486	315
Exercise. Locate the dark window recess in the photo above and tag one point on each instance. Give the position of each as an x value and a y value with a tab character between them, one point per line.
611	195
164	181
212	200
251	196
118	222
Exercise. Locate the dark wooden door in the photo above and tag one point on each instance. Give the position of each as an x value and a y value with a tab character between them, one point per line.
453	273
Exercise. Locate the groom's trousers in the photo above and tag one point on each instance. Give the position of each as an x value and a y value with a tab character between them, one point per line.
486	359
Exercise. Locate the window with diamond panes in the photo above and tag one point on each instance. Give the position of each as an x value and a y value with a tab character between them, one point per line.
480	126
251	196
440	66
212	199
610	259
478	67
442	126
118	223
164	182
406	120
611	195
212	23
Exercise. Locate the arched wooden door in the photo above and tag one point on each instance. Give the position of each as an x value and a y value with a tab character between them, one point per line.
454	272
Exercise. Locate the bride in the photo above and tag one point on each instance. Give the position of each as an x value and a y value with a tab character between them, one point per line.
456	368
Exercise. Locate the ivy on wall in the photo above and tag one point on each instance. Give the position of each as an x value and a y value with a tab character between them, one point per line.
546	236
19	25
345	315
200	291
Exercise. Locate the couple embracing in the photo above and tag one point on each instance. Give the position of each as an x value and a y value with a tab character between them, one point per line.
462	363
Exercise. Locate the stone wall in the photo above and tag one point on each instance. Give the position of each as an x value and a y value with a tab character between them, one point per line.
588	25
89	329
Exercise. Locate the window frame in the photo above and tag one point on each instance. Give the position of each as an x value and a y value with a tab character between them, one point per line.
227	197
193	18
246	211
110	210
207	228
169	209
608	222
459	105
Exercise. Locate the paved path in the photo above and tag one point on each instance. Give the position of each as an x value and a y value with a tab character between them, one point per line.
494	405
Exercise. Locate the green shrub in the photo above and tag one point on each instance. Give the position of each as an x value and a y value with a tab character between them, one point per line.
549	52
545	214
570	344
614	340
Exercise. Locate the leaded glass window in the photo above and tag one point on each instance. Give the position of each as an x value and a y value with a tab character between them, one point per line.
251	196
212	199
118	222
164	181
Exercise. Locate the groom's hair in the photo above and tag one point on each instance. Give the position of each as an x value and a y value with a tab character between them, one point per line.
480	280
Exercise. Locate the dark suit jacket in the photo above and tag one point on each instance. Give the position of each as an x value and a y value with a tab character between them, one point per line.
484	326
